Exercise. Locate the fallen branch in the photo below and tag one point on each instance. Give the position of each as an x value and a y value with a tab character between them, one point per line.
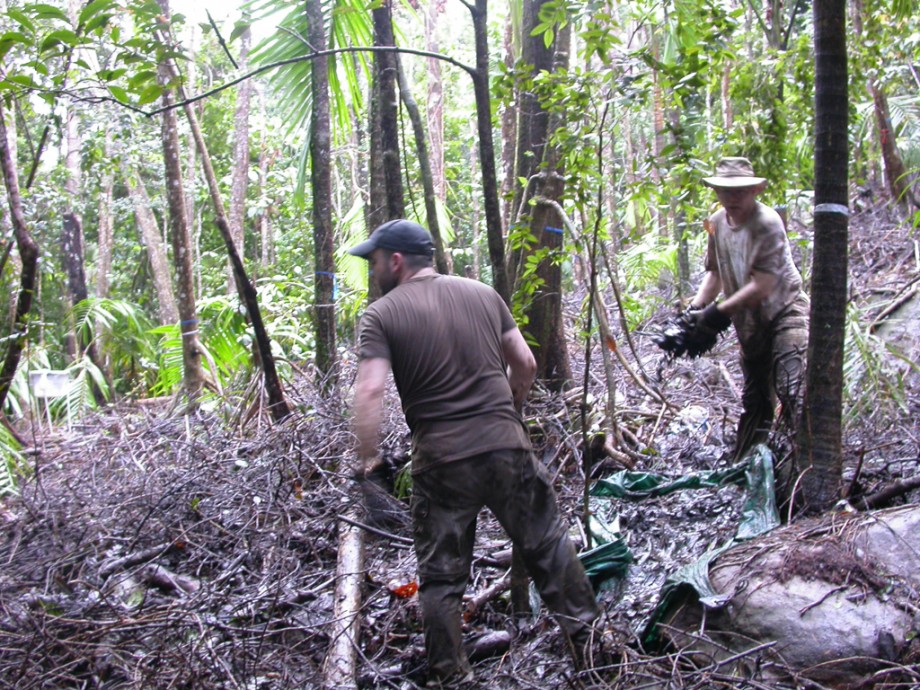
886	494
473	604
135	558
340	664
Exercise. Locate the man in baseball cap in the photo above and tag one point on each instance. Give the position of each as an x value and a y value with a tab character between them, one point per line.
398	235
463	371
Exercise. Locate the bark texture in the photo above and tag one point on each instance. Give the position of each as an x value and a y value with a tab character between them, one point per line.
540	163
152	238
239	183
28	253
321	182
180	235
492	205
819	434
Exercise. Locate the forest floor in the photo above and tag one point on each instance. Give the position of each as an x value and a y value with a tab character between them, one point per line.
149	549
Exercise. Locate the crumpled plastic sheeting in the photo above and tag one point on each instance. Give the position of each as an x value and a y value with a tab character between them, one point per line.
611	558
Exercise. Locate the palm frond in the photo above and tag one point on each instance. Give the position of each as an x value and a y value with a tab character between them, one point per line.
12	463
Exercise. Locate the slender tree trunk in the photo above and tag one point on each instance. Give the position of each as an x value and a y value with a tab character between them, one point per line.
321	181
509	131
191	160
895	171
386	113
277	404
475	213
264	219
819	434
72	245
192	351
435	100
152	238
106	240
442	260
106	225
28	253
487	152
539	162
8	257
236	216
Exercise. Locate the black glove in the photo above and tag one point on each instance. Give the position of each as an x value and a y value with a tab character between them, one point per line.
711	317
703	329
692	332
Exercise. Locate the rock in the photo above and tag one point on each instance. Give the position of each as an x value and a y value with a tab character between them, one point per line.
833	595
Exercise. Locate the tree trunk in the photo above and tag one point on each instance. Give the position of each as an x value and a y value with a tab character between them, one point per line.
236	216
106	226
539	162
895	172
321	181
442	260
340	663
264	219
487	152
192	351
72	245
28	253
277	404
156	253
509	130
819	434
386	113
435	100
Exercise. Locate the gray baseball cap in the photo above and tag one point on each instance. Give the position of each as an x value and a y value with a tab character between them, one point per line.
398	235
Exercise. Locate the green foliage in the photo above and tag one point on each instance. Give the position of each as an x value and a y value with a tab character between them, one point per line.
12	463
348	25
122	332
873	372
642	266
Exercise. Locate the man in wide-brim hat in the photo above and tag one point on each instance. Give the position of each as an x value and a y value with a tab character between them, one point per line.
748	259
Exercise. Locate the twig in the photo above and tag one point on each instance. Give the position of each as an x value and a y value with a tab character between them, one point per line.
386	535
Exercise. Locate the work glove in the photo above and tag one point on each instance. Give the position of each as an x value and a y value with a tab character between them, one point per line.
703	328
692	332
711	318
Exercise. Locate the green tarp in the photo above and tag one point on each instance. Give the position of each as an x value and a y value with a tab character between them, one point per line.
611	558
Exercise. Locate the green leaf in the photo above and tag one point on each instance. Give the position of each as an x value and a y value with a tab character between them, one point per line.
150	94
21	18
138	79
11	38
22	79
96	23
61	36
239	29
93	11
119	93
45	11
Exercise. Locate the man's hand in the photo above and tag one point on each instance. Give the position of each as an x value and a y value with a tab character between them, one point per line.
693	332
711	318
369	466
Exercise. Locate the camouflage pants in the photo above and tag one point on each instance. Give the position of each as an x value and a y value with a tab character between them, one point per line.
773	364
445	503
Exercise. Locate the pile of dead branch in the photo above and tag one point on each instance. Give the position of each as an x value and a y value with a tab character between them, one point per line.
152	552
149	550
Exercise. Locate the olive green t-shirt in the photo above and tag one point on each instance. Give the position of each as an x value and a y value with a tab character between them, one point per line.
442	336
760	244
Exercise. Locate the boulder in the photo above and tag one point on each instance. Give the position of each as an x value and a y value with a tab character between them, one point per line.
831	599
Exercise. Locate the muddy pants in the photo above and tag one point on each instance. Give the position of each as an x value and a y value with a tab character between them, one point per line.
773	363
445	503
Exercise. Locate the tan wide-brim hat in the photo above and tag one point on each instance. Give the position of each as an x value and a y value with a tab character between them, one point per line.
734	172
